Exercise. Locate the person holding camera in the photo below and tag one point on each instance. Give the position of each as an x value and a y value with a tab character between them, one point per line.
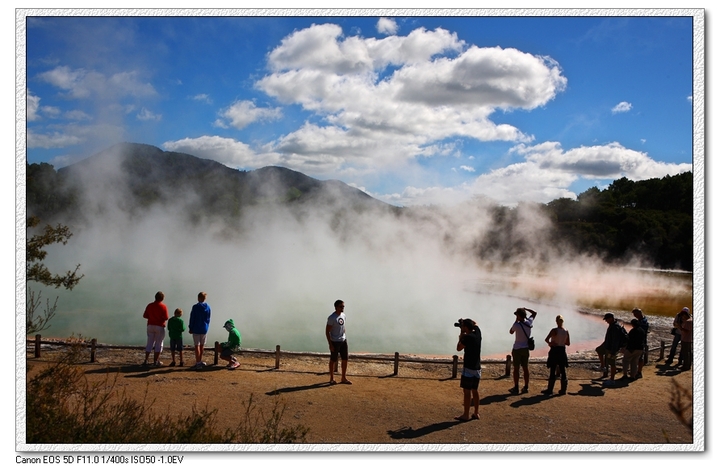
469	341
522	328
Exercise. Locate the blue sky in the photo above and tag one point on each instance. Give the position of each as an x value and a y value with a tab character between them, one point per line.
413	110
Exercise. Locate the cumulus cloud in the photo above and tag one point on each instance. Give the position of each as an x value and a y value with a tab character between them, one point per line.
227	151
387	26
51	140
82	84
202	98
146	115
76	115
33	103
374	118
622	107
467	168
242	113
548	171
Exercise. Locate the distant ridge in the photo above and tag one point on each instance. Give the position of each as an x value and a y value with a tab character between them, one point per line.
136	176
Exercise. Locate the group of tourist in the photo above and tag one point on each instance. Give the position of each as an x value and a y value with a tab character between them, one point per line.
157	317
632	345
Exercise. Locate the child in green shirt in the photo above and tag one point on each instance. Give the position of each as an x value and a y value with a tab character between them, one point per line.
176	327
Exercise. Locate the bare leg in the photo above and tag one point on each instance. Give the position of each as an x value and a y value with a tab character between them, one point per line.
332	371
343	366
526	376
476	403
466	404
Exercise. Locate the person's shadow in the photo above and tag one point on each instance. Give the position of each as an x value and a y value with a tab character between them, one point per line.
410	433
300	388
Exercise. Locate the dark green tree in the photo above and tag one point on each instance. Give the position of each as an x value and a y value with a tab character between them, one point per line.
38	317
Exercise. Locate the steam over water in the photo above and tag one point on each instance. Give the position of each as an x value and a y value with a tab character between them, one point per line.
405	279
278	282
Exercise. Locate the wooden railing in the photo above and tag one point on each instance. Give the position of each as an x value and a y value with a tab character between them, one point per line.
93	345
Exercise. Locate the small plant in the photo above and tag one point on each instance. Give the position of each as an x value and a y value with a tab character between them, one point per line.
681	404
64	407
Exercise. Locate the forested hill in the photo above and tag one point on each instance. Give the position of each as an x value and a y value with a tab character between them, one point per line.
649	219
136	177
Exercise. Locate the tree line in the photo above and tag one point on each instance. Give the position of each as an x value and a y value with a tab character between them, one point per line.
649	219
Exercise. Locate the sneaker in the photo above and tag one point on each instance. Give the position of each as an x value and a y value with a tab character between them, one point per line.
157	363
547	391
638	375
609	383
524	390
514	391
172	364
234	365
181	364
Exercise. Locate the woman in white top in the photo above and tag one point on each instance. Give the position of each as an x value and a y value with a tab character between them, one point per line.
557	339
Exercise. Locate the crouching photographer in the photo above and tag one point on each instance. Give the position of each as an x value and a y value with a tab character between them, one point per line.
469	341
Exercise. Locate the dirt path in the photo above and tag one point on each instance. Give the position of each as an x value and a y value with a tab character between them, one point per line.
415	407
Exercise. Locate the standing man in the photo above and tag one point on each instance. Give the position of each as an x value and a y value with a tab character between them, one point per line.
198	326
522	328
157	316
677	326
615	338
335	334
645	325
686	339
469	341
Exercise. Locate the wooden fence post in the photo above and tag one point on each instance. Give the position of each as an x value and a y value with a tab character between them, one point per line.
217	352
397	363
93	344
455	366
662	350
277	357
508	361
37	346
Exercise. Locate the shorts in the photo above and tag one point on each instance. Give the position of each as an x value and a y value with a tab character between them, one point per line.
610	358
199	339
155	337
521	357
339	347
176	344
227	352
470	379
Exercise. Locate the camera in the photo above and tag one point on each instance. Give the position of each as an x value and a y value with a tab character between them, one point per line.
458	323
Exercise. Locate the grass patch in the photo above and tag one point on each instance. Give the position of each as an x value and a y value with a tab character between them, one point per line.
64	407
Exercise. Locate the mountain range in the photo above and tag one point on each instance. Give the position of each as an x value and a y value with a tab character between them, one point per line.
134	177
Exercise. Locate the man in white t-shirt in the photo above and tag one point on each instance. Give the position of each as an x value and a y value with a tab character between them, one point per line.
522	328
335	334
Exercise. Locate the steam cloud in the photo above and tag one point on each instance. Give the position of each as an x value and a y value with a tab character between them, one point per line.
405	278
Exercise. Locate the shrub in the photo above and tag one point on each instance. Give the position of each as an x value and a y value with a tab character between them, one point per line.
64	407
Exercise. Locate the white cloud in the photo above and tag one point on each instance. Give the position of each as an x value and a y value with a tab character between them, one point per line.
622	107
242	113
467	168
548	171
387	26
33	103
82	84
53	140
371	120
76	115
202	98
227	151
145	115
610	161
